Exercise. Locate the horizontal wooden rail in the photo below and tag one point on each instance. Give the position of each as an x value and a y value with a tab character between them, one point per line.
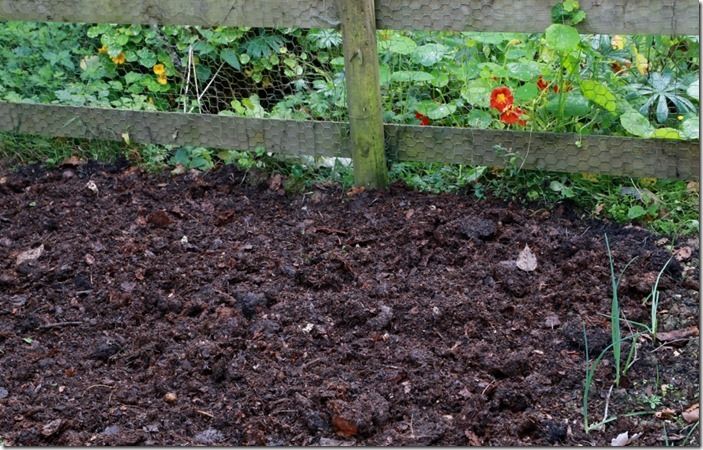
609	155
603	16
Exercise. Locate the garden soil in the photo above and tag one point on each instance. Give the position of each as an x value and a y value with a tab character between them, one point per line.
215	309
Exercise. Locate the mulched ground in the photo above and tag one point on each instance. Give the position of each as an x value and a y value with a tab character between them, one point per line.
214	309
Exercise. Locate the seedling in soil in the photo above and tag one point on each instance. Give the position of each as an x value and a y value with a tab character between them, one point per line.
591	367
615	313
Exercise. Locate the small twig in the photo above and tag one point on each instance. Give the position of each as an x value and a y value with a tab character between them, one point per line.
202	94
59	324
205	413
607	403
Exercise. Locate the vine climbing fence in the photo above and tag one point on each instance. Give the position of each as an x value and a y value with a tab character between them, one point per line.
358	130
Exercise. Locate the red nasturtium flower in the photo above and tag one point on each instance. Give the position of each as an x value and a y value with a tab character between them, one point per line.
501	98
541	84
513	115
424	120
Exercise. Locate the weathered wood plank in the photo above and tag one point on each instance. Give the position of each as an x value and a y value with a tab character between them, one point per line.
545	151
362	76
604	16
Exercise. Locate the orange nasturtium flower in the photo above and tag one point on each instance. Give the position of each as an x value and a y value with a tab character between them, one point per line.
119	59
160	69
501	98
162	79
103	50
513	115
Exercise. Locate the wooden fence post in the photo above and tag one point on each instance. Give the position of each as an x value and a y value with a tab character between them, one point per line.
358	20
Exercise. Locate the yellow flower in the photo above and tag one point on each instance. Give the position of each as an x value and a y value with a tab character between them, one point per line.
160	69
647	182
588	176
119	59
103	50
162	79
618	42
680	117
642	64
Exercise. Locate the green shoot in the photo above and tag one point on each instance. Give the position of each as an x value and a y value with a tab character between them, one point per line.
654	324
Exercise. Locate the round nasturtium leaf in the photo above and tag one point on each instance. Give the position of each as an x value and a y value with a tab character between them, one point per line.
562	38
636	124
599	94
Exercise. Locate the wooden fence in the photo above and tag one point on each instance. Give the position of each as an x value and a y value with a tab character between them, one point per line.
365	138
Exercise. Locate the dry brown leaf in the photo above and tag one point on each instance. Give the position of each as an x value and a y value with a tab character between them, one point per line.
344	427
89	259
30	255
51	427
691	414
693	187
683	253
73	161
409	214
675	335
355	191
621	440
665	414
526	261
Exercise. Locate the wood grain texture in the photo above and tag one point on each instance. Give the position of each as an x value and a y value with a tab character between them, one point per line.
603	16
545	151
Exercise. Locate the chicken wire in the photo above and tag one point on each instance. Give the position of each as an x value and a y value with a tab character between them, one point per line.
437	78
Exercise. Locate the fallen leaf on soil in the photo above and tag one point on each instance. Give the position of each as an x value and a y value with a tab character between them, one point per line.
692	414
526	261
693	187
355	191
276	182
552	321
665	414
51	427
344	427
683	253
92	187
675	335
159	219
623	439
30	255
73	161
327	442
474	441
599	208
409	214
179	170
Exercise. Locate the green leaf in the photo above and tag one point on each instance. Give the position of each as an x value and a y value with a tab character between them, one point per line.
230	57
575	105
441	111
636	124
524	70
667	133
430	54
478	118
562	38
400	45
405	76
147	58
690	128
385	72
571	5
440	78
635	212
599	94
526	93
244	58
477	92
693	90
